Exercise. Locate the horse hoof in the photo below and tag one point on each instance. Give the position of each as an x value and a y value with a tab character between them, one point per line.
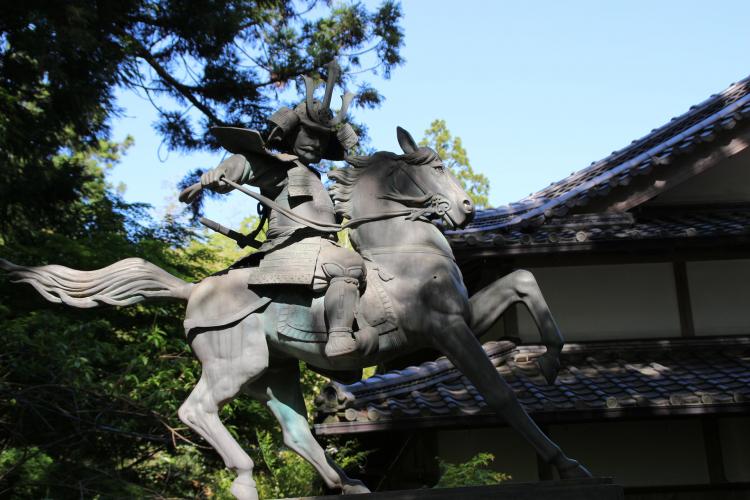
340	344
243	488
573	470
549	366
354	487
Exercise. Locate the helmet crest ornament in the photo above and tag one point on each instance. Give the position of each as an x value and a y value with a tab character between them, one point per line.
319	112
317	115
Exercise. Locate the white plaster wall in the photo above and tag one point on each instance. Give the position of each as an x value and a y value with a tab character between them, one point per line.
609	302
720	296
728	182
512	454
496	332
638	453
735	444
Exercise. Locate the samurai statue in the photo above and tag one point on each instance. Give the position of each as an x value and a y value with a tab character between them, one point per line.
282	166
415	296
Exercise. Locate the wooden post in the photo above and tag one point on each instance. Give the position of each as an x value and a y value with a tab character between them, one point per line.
683	299
714	455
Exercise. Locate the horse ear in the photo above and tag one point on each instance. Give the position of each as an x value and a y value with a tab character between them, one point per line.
405	140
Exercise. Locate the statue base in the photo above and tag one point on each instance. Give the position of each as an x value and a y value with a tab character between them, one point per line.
600	488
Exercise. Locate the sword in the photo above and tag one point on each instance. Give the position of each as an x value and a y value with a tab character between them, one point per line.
242	240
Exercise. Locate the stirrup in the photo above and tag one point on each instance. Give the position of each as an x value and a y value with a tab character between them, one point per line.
340	343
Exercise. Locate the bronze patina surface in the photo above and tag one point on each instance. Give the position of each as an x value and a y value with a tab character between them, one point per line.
298	296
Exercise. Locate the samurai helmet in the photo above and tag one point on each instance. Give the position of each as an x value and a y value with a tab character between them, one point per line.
317	115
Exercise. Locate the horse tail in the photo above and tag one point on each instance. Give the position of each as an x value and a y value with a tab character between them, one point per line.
126	282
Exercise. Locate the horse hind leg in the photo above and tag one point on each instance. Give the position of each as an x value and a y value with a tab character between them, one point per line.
279	388
231	358
200	413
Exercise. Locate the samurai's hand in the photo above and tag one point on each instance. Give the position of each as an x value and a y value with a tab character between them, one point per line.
232	168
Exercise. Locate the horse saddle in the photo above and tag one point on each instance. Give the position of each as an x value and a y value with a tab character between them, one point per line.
305	322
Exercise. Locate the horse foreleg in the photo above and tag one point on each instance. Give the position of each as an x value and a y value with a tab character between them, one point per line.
458	343
230	358
279	388
488	304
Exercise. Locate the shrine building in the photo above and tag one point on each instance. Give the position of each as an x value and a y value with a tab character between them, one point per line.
644	259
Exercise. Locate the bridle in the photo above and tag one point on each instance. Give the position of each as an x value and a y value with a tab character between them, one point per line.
425	206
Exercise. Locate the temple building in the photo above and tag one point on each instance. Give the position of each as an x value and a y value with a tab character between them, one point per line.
644	259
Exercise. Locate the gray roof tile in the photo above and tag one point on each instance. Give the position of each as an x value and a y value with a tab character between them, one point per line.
602	376
584	229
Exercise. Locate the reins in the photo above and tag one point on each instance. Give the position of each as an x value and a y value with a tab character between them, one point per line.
416	208
325	227
432	204
429	204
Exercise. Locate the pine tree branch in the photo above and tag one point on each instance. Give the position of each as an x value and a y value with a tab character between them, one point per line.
180	87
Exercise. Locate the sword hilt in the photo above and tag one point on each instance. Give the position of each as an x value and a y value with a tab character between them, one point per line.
242	240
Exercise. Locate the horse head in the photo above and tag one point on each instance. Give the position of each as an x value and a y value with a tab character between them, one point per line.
416	184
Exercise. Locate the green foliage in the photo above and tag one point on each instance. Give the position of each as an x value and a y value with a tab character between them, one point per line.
473	472
215	251
227	59
201	63
450	149
285	474
88	398
24	470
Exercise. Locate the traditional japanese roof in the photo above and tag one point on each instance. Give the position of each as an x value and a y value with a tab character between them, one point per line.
598	380
703	123
580	231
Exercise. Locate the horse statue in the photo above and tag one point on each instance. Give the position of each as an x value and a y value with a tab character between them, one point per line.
249	339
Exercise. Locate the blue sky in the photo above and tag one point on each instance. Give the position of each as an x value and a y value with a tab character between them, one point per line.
535	90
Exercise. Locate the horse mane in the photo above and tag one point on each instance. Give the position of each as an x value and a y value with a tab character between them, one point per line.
345	179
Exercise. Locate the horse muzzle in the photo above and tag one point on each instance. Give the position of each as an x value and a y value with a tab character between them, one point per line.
461	215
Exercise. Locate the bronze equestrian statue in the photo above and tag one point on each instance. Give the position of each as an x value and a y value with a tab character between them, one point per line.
298	297
295	253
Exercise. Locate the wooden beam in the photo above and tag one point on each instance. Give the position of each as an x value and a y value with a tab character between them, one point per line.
717	248
598	488
412	424
684	305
